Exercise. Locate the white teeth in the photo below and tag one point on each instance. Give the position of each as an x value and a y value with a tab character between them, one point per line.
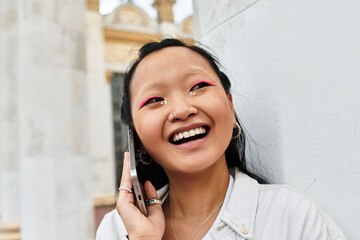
180	136
190	133
197	131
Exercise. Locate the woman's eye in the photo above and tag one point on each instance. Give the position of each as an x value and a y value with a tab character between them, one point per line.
151	100
201	84
154	100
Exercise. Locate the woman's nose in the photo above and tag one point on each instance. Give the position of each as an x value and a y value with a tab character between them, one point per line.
181	109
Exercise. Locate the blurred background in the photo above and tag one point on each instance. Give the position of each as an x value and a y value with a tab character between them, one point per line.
295	70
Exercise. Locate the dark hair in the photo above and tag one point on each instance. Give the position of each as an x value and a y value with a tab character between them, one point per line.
235	152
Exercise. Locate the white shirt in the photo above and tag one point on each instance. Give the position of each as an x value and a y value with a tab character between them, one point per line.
255	211
223	207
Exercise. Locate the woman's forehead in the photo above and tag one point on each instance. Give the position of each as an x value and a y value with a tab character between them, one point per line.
170	60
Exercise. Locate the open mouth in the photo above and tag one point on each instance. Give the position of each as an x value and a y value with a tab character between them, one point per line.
190	135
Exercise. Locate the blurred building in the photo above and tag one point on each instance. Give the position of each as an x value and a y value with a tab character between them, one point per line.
61	138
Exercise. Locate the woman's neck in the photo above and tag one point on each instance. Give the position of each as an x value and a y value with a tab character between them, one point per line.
196	195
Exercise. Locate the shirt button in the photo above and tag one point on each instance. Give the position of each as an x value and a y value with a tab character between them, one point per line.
244	230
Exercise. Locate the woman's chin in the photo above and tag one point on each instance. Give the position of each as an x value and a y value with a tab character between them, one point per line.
192	166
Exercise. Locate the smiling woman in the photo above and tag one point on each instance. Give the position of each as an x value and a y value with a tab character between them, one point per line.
179	103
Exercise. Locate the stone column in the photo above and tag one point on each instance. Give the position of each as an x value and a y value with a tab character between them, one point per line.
99	102
164	10
166	17
92	5
55	169
9	145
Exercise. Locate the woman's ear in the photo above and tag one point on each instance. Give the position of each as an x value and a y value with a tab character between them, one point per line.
231	102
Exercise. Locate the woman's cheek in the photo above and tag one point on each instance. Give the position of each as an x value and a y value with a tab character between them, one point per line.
222	113
148	127
217	105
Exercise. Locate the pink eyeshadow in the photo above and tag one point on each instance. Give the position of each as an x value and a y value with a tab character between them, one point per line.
210	83
147	99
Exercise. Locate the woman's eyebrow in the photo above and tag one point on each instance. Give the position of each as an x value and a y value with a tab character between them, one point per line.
192	73
196	71
160	84
149	86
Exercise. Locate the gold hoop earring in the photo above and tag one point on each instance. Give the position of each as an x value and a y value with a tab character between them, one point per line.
236	130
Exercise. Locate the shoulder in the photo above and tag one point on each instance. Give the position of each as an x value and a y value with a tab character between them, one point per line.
296	211
111	227
269	211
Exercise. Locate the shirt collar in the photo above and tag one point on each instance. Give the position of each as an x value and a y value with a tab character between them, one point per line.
240	211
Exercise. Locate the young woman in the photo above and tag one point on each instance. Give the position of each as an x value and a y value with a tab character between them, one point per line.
188	138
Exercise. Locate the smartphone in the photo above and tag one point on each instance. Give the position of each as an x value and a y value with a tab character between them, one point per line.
139	195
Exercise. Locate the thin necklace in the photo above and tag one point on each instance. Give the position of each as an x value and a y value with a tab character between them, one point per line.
202	224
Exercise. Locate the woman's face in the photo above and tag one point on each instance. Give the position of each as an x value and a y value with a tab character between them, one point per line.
180	110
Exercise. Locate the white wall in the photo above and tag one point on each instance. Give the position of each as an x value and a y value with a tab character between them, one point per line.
295	68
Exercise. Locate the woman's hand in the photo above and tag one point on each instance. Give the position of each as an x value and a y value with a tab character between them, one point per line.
138	225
